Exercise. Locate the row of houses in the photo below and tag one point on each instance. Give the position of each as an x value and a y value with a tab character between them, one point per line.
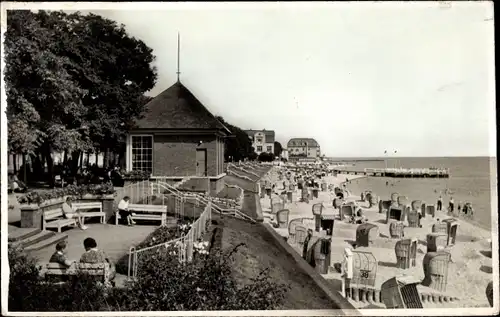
263	141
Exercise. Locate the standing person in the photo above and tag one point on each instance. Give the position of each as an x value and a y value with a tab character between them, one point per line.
69	213
451	205
440	203
125	214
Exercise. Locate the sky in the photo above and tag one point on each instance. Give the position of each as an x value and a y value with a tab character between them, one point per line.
360	78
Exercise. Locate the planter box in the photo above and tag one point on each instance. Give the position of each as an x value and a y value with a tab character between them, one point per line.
31	216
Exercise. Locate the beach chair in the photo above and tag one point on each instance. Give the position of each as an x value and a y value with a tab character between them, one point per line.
396	229
282	218
435	266
366	233
401	292
436	241
406	253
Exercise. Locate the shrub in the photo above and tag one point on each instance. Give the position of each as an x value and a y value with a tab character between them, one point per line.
163	283
206	283
266	157
38	197
29	292
135	175
160	235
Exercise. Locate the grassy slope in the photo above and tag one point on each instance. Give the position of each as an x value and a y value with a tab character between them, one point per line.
262	251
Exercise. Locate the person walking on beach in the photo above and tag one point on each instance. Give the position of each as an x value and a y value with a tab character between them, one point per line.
440	203
451	205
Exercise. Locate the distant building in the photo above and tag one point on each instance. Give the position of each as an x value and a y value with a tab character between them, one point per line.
262	140
284	154
303	147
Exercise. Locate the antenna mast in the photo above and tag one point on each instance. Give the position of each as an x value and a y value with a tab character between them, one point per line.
178	55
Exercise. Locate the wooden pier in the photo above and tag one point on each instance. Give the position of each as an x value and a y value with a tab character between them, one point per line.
398	172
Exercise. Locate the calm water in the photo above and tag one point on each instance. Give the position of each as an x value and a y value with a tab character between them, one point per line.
470	181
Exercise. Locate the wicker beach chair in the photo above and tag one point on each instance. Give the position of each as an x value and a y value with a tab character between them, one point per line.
489	293
401	292
441	227
406	253
413	219
436	241
282	218
396	229
366	233
435	266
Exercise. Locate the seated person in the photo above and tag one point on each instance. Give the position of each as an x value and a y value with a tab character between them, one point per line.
69	213
125	214
15	185
93	255
60	255
358	217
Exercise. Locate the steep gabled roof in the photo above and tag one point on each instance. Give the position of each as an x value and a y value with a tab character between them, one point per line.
268	133
302	142
177	108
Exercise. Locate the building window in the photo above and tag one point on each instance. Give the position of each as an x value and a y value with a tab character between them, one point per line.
259	148
269	148
142	153
259	139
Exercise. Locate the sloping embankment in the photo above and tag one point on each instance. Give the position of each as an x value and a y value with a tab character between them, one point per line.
261	251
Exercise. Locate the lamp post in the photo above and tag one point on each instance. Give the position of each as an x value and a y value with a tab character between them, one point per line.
385	160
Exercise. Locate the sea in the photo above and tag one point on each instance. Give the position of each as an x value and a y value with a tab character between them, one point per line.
472	179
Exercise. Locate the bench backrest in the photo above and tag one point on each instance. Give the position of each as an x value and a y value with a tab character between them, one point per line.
53	214
87	268
91	205
144	207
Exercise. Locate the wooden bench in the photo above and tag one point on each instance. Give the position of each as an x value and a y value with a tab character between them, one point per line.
88	206
55	219
100	270
146	212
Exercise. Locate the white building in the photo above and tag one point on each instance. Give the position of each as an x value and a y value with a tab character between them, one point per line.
262	140
303	147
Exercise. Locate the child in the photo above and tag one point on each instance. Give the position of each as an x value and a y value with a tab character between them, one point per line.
60	255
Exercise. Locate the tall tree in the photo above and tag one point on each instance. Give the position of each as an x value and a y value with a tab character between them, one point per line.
76	81
239	146
277	149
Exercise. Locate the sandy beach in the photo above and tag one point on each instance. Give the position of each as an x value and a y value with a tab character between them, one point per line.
468	273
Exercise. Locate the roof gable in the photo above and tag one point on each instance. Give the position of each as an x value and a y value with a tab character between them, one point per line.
177	108
268	133
302	142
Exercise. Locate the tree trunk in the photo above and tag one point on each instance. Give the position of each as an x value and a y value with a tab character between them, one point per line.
81	160
105	159
88	159
14	161
75	155
65	160
50	165
25	178
97	158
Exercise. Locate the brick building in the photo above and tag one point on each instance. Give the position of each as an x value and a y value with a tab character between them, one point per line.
178	137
